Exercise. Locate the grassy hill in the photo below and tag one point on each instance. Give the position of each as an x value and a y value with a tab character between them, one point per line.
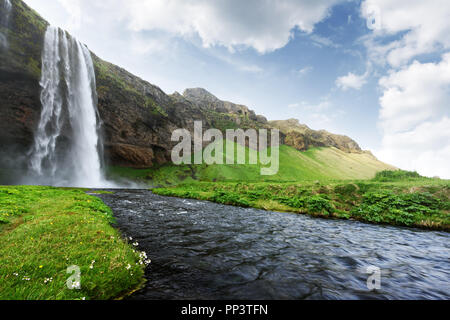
314	164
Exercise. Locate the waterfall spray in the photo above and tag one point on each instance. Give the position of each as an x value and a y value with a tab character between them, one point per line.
67	144
4	22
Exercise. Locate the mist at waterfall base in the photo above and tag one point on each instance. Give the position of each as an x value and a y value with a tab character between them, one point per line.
68	149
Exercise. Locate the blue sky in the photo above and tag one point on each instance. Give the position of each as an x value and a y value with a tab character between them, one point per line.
317	61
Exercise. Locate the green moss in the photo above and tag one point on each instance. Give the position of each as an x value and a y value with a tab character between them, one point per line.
109	81
34	67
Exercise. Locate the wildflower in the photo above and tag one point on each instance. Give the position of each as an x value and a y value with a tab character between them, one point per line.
128	267
92	264
15	274
136	244
47	280
26	278
40	267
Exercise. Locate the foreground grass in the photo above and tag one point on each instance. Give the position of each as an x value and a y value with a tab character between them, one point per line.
423	203
45	230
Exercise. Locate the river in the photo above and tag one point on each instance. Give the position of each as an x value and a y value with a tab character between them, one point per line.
202	250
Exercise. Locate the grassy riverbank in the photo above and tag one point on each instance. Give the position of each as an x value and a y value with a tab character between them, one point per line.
45	230
395	198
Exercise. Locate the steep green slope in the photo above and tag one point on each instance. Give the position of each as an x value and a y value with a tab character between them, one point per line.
314	164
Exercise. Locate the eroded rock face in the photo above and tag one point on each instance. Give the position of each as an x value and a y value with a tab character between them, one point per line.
301	137
207	101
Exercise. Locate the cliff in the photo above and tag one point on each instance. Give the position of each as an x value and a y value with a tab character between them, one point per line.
138	117
302	138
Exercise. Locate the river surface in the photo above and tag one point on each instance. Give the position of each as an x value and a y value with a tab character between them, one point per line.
201	250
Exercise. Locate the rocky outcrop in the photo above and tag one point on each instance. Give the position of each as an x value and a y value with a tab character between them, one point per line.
222	114
138	117
208	101
301	137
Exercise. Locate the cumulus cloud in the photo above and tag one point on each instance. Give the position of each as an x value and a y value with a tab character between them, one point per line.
264	26
415	113
415	117
424	28
351	81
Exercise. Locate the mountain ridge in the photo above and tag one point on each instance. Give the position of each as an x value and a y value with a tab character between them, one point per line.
138	117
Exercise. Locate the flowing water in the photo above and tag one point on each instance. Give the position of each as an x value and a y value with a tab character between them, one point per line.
67	144
4	22
202	250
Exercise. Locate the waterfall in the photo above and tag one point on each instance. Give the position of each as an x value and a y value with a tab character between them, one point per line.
4	22
67	148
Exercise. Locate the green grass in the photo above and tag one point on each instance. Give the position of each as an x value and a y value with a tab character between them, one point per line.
315	164
45	230
424	203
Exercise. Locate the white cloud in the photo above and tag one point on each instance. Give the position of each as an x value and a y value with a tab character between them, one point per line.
425	24
351	81
304	71
323	41
415	117
264	26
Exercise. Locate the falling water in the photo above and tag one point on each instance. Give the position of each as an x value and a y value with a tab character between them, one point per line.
67	146
4	22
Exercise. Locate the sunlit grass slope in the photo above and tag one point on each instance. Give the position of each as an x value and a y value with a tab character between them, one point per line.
314	164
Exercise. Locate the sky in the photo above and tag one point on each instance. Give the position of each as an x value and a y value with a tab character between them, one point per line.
375	70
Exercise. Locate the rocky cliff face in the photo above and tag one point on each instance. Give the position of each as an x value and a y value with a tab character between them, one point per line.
301	137
138	117
20	64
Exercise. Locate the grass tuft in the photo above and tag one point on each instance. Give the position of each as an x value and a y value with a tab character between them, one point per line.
45	230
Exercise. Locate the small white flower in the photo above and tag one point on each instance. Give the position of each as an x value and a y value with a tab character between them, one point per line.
136	244
15	274
47	280
128	267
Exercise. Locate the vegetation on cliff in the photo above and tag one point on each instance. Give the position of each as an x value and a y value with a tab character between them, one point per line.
44	231
25	32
